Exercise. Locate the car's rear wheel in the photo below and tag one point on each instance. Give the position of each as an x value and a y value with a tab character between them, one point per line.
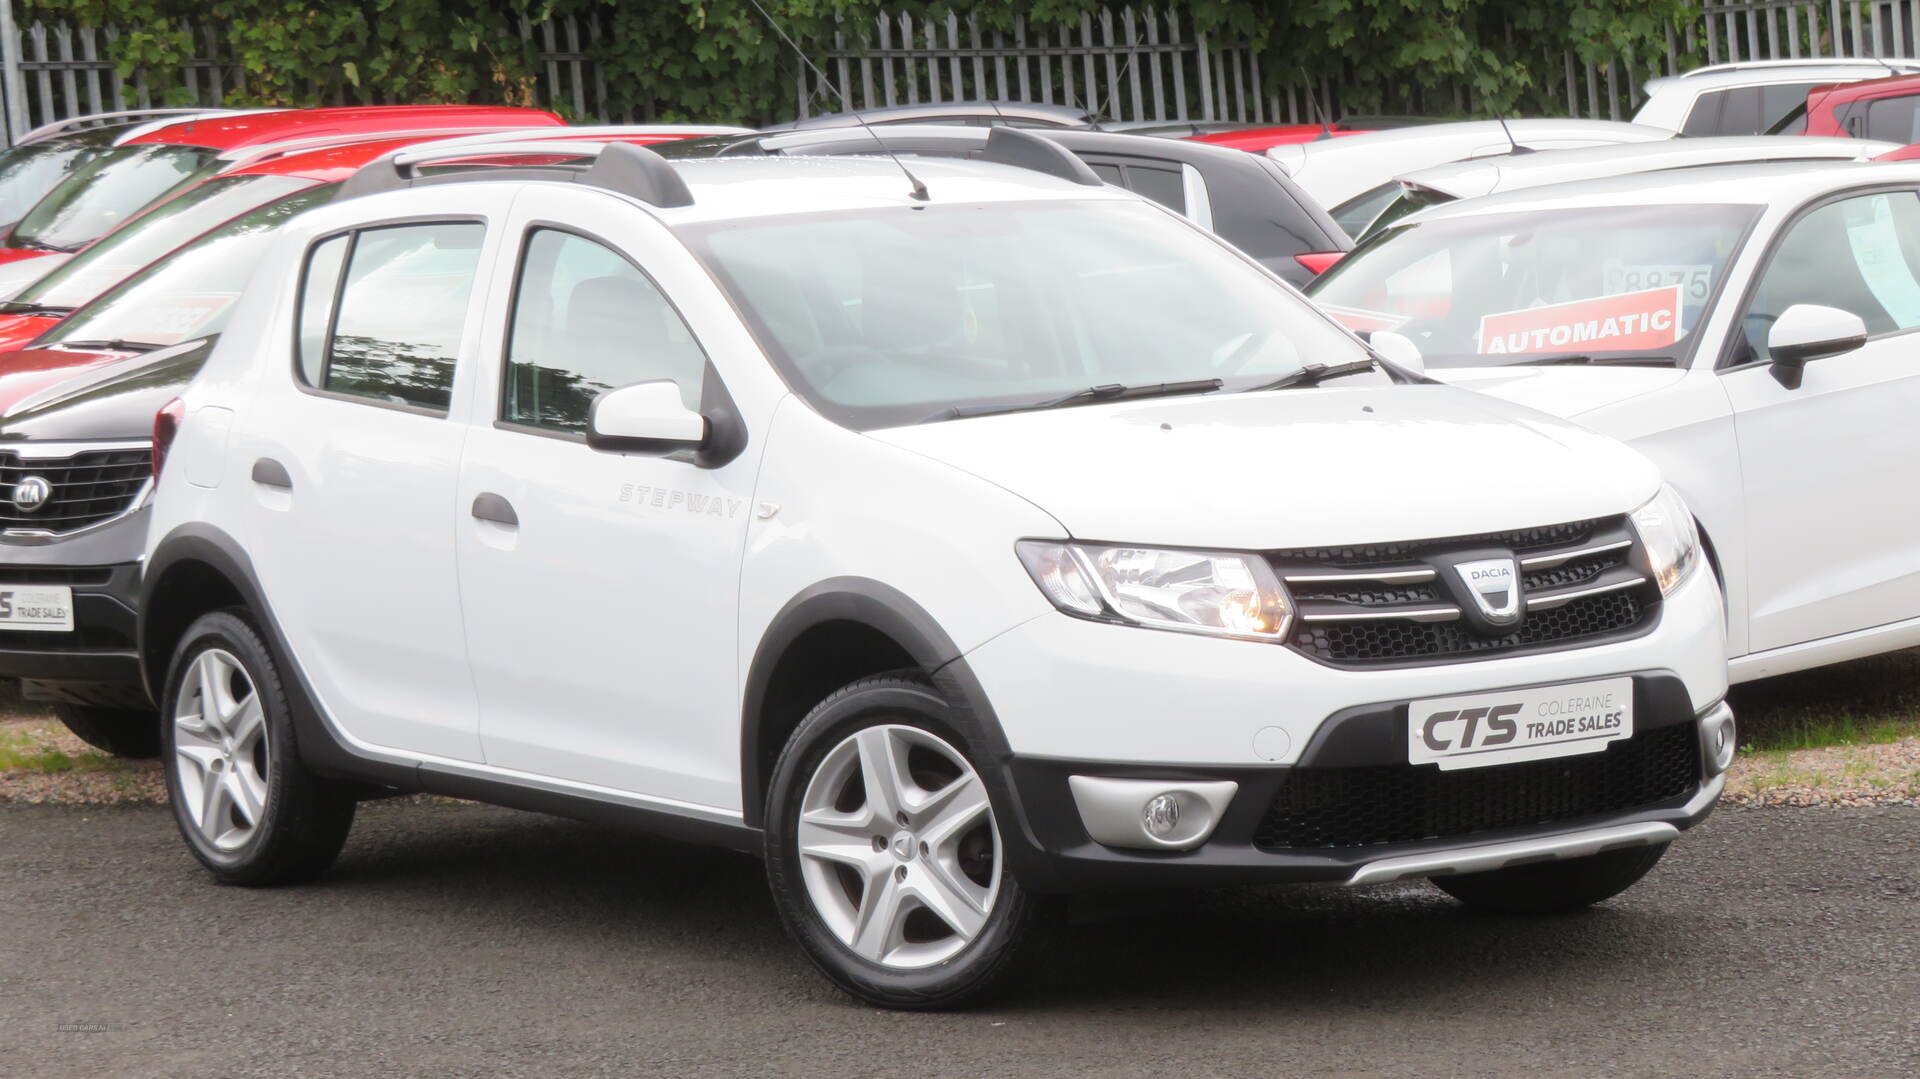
884	854
1553	887
123	732
245	805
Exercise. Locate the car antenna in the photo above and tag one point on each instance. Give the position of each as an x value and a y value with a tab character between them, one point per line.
919	192
1513	144
1326	121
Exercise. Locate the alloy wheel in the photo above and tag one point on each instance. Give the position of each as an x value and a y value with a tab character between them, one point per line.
898	847
220	750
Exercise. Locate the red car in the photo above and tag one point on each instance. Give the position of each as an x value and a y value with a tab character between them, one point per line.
1257	139
116	185
1886	109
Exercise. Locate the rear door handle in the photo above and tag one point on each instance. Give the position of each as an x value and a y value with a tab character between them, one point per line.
268	472
488	506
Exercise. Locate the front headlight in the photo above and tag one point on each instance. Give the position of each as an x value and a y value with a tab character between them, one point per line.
1666	531
1219	592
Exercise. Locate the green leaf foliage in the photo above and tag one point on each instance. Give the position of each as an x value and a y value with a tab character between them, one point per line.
721	61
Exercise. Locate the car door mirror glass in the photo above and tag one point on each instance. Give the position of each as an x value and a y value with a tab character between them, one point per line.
645	417
1399	350
1809	331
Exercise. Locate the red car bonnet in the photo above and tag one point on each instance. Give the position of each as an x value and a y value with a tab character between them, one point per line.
30	371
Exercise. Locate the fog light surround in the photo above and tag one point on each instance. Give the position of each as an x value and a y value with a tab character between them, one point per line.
1719	739
1150	814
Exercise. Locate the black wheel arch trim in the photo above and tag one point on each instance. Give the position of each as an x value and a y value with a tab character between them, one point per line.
886	610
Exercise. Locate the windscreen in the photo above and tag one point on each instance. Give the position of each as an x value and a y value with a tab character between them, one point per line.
189	294
892	316
165	227
105	192
1626	281
28	172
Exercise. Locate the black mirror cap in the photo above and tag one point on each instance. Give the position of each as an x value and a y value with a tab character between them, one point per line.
1789	362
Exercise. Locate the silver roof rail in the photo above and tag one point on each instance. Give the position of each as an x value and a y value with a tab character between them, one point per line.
1810	61
617	166
188	116
1026	150
100	119
241	156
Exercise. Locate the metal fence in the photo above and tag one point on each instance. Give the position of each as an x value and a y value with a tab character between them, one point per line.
1126	63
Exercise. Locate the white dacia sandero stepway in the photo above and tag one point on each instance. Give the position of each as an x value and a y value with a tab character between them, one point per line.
954	534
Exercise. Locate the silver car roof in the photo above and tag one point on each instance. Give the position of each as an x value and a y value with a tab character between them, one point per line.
1485	176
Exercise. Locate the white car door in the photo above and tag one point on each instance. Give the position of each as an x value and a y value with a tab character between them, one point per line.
600	588
353	468
1829	466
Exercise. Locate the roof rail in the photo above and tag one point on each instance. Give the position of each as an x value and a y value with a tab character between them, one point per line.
1026	150
1810	61
99	119
186	116
617	166
241	156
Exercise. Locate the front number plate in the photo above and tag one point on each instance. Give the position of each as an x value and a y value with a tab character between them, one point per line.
1507	726
36	607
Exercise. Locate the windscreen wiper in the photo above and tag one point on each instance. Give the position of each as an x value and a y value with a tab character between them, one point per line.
16	307
117	344
40	245
1312	375
1112	391
1584	358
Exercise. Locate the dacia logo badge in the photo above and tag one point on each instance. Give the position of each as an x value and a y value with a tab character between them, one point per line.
31	493
1494	584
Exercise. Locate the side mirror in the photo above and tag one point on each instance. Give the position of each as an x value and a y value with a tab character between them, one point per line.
1808	331
1399	350
646	417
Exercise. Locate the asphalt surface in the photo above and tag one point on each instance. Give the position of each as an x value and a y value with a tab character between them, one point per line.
457	940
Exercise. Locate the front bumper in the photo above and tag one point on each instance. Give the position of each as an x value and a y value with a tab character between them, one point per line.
1050	849
97	662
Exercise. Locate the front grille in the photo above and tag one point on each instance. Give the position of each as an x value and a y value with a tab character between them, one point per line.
87	488
1405	803
1393	603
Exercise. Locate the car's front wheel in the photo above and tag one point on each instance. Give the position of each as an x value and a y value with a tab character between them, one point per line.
246	806
1553	887
886	860
123	732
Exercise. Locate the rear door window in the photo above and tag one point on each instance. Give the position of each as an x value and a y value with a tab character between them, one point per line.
399	314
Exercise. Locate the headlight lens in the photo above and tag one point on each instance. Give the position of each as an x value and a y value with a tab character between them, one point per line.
1666	530
1218	592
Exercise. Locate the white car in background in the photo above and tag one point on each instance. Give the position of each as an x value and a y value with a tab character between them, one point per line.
1752	329
1353	176
1517	172
1750	97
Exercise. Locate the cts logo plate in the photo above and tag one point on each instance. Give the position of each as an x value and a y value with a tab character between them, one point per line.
1494	584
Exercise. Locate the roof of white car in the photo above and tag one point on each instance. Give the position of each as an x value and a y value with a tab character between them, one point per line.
735	187
1333	170
1763	73
1786	185
1511	172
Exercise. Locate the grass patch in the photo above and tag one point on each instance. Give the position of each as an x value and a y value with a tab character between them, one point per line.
1867	702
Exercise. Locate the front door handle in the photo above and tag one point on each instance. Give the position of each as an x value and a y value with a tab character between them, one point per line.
268	472
488	506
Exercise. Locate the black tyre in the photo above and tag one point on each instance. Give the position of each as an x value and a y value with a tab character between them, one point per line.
246	806
883	852
1553	887
123	732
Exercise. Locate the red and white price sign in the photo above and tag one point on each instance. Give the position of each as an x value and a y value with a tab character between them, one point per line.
1629	322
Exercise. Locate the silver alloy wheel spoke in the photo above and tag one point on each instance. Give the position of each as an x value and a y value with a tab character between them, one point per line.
870	869
220	747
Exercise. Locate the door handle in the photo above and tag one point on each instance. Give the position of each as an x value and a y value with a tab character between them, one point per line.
268	472
488	506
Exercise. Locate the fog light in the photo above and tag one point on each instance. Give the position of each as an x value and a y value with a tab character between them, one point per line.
1161	815
1150	814
1719	738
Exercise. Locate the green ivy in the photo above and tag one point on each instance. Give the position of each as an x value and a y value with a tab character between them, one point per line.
720	60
